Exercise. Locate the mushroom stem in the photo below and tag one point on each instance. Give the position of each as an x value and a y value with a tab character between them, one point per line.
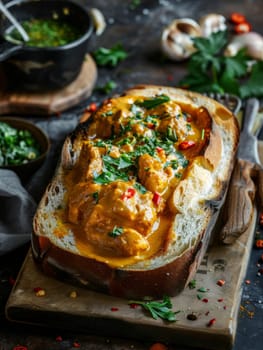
252	42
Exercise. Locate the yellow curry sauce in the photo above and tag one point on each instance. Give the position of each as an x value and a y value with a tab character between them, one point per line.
135	152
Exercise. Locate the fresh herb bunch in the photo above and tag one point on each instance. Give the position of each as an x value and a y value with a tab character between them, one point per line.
110	57
159	309
16	146
210	71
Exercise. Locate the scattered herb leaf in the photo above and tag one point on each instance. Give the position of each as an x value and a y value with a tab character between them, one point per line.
134	4
159	309
110	57
192	284
108	87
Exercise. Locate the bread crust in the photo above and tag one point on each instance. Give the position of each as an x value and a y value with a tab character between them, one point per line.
162	275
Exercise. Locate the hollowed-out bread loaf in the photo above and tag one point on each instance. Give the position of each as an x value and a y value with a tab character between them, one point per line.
137	192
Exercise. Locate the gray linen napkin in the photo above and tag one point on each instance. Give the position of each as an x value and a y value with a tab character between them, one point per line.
16	212
18	201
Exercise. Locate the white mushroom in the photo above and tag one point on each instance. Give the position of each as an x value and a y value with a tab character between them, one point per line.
98	20
176	41
212	23
252	42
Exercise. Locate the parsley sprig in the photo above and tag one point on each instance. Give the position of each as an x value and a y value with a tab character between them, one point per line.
210	71
159	309
110	57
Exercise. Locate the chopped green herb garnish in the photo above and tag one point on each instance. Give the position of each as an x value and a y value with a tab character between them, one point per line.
112	169
203	134
159	309
107	114
117	231
171	134
17	146
140	187
153	101
95	196
172	163
46	32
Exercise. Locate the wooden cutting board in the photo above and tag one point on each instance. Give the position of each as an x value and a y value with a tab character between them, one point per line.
47	103
96	313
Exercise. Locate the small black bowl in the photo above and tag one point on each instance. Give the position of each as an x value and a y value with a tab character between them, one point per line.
44	68
26	170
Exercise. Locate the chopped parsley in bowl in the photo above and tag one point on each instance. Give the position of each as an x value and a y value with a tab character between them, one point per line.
23	146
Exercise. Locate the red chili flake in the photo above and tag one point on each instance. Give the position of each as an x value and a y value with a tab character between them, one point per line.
156	198
220	300
247	281
224	307
260	271
59	338
129	193
134	306
259	243
237	18
211	322
186	145
244	27
159	149
158	346
11	280
220	282
37	289
205	300
261	219
114	309
170	77
92	107
20	347
76	344
151	125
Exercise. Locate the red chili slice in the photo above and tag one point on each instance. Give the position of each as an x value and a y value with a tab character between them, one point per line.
237	18
159	149
186	145
241	28
156	198
129	193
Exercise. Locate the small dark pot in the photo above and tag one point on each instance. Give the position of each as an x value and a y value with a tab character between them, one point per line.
48	68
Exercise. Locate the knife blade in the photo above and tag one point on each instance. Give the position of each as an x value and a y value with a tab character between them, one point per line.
246	180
